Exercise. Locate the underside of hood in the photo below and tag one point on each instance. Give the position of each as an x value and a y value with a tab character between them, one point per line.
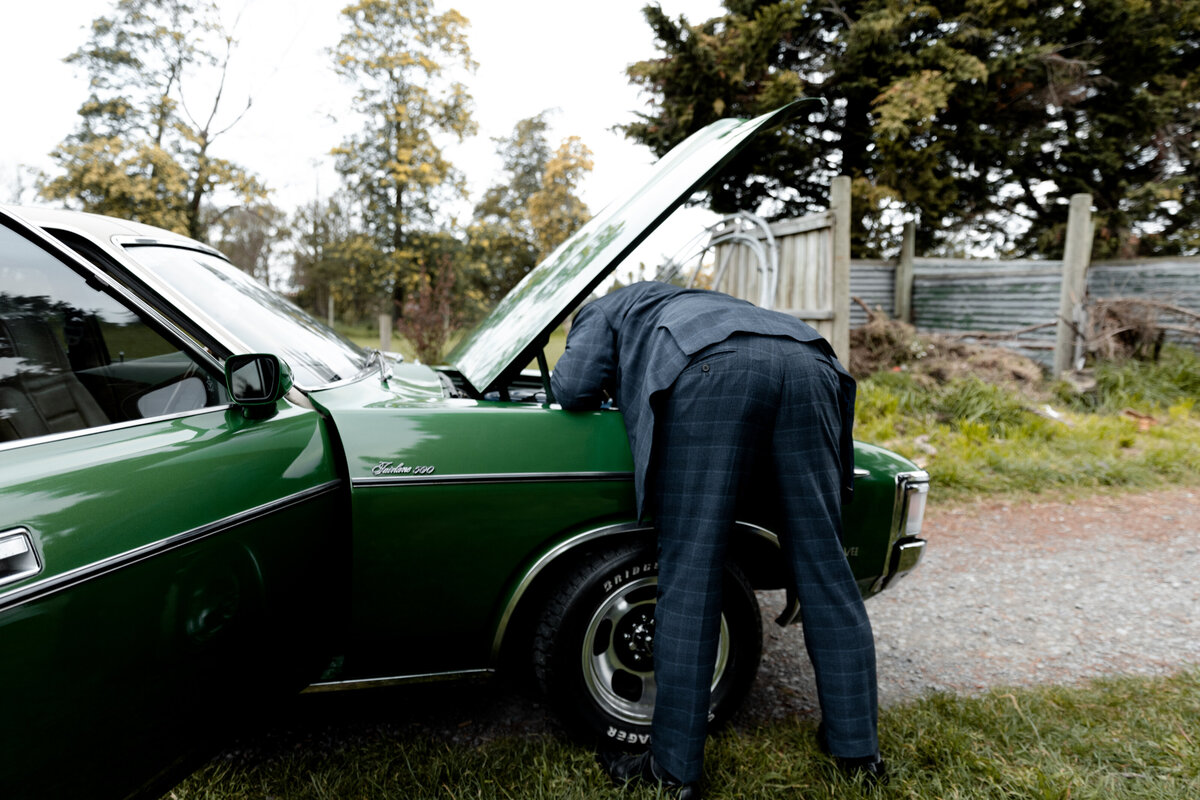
518	328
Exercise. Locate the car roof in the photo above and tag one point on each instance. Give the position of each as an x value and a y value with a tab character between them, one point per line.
98	227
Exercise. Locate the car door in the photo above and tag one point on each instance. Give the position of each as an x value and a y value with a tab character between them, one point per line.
168	560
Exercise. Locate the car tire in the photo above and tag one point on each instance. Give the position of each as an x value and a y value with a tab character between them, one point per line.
593	647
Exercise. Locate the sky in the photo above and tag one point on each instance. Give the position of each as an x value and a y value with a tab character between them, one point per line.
533	56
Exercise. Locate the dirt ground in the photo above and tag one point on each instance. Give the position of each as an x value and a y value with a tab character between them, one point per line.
1016	593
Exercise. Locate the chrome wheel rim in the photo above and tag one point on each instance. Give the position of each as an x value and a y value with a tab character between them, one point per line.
618	650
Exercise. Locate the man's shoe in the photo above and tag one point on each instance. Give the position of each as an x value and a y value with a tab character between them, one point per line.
872	769
627	768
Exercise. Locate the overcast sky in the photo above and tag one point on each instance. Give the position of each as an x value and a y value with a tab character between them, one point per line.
533	55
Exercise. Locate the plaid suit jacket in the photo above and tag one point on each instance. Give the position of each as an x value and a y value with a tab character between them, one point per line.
633	343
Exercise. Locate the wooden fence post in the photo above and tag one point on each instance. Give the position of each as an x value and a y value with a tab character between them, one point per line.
902	306
839	204
1076	257
385	332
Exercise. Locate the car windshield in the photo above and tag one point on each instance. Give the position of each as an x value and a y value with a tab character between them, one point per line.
255	315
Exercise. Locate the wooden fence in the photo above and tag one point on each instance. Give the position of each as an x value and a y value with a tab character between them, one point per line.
1041	304
812	279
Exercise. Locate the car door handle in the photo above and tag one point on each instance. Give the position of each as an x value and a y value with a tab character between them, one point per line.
18	558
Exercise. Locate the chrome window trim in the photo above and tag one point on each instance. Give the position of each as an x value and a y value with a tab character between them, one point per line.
112	426
117	290
126	241
488	477
119	561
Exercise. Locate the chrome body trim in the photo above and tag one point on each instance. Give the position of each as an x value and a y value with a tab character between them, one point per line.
570	544
394	680
113	426
908	555
66	580
178	242
492	477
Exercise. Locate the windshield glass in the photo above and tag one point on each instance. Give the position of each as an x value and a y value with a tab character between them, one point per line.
257	316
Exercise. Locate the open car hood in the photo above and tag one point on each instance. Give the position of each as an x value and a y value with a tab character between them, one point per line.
511	336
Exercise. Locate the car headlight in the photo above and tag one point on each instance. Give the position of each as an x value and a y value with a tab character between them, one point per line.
915	489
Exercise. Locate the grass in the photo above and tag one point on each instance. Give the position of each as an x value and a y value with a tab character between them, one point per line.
1138	428
1111	740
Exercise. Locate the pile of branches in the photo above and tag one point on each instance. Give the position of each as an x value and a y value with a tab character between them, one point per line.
934	359
1126	327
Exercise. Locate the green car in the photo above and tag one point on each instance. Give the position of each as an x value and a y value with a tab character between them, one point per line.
208	499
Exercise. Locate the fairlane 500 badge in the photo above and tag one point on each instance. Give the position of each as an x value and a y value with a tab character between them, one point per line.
392	468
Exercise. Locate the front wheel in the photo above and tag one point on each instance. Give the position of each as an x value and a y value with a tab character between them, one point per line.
594	646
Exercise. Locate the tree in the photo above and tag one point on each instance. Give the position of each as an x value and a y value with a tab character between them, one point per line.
501	233
433	308
977	115
249	235
333	259
520	220
401	55
138	151
555	210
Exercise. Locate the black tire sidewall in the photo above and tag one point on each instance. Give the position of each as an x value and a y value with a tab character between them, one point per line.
559	646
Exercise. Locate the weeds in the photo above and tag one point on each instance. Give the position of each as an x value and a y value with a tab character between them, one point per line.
1139	427
1141	385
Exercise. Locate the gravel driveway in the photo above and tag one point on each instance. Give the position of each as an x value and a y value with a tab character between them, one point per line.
1020	594
1009	594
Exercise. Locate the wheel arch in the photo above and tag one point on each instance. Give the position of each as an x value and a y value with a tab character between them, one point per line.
753	548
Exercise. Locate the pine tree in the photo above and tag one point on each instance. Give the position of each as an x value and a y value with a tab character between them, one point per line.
981	117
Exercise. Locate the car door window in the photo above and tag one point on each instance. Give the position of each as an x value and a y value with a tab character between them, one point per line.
73	357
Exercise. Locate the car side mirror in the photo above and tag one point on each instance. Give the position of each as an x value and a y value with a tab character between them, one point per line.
257	379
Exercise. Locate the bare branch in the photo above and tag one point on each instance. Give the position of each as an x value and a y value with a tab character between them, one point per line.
836	8
998	335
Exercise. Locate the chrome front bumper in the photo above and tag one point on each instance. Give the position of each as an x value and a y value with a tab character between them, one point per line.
908	513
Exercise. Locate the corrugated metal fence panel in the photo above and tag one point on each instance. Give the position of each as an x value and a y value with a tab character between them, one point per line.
960	295
955	296
1168	280
873	282
950	295
990	296
1171	280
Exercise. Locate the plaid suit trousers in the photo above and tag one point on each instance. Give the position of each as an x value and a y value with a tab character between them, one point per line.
741	404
